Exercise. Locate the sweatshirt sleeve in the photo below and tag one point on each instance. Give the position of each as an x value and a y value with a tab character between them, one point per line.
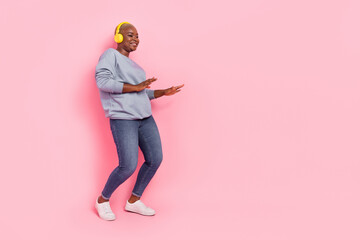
105	74
150	93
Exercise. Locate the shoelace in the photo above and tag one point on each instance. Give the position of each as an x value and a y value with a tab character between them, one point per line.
143	204
107	208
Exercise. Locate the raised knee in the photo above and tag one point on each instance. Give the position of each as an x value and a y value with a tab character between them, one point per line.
158	160
132	168
129	169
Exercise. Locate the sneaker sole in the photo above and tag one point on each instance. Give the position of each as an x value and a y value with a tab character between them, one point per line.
130	210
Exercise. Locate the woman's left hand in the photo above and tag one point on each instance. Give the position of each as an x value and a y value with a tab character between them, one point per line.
172	90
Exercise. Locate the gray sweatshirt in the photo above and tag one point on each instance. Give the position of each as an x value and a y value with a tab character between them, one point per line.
112	71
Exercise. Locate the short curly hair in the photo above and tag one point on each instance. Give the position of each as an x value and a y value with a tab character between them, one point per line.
122	27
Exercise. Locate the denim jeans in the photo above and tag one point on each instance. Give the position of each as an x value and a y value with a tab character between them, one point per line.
128	136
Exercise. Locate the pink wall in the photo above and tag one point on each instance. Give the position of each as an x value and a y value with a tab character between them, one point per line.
262	143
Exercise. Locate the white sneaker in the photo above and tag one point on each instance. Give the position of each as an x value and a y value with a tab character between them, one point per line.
139	207
104	210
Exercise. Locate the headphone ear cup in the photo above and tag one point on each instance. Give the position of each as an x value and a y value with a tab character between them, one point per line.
118	38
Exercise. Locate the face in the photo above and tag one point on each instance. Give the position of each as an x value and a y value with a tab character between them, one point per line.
131	38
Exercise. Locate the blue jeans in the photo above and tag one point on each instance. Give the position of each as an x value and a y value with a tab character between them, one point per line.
128	136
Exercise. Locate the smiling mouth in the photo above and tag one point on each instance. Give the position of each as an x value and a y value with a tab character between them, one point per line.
134	44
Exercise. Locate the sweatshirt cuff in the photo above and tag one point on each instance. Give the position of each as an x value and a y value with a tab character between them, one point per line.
150	93
118	87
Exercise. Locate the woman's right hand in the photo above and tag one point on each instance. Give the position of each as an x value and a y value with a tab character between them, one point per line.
145	84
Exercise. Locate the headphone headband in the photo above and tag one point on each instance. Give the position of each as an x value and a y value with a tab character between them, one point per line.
119	26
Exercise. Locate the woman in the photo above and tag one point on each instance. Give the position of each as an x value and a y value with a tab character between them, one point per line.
125	97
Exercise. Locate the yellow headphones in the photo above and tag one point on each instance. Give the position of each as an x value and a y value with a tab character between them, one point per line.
118	36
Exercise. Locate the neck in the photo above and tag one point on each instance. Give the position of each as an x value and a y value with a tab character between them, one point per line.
123	52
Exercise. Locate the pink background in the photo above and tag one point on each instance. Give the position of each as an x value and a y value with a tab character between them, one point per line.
261	143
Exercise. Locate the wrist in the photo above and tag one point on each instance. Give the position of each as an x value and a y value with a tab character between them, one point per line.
135	88
159	93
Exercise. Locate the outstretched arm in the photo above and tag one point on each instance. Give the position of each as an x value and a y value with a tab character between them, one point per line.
167	92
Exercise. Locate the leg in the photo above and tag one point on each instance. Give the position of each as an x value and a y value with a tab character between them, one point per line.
125	133
150	145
